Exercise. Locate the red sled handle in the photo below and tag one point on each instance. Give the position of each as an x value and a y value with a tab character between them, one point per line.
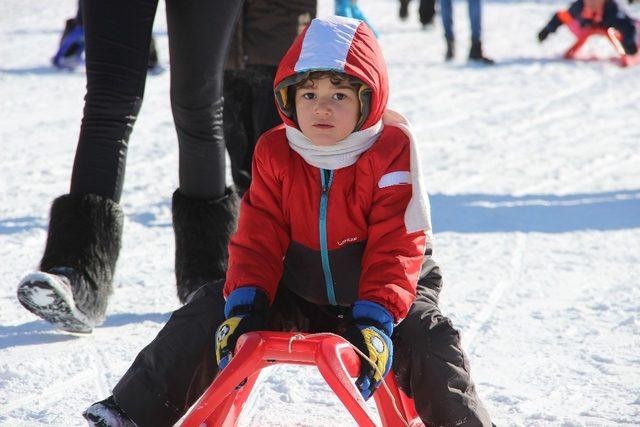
222	402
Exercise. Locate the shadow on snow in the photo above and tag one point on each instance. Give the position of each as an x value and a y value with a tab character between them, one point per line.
482	213
39	332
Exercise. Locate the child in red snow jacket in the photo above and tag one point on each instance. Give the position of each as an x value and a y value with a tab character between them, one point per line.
334	235
602	14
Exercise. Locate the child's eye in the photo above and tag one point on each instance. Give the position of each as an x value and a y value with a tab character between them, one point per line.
309	95
339	96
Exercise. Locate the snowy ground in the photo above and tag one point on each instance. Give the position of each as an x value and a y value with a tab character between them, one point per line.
534	170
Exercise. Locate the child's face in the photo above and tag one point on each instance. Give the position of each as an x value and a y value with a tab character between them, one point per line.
594	4
327	113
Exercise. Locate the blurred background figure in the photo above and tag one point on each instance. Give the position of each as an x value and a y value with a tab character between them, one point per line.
475	20
599	14
264	32
71	49
350	9
70	53
426	11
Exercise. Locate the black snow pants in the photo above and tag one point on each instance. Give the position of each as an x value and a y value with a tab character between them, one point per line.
427	10
117	37
249	111
169	375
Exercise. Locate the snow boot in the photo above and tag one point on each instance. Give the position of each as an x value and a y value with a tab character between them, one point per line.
475	54
202	229
69	54
451	50
107	413
73	285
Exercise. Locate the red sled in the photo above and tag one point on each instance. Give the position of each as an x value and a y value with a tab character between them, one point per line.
582	34
222	402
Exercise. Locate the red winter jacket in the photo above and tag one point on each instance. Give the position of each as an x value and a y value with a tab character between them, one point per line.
330	236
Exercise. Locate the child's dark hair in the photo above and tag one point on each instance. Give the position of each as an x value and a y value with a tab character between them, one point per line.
334	76
286	91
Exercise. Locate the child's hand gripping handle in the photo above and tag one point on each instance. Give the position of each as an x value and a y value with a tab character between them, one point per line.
245	311
370	333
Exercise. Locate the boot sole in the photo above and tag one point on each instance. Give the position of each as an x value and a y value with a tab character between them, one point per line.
47	297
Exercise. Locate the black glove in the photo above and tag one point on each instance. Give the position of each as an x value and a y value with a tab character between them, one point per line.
246	311
543	34
630	47
370	332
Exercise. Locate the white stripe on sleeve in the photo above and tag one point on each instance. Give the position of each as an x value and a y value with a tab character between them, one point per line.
395	178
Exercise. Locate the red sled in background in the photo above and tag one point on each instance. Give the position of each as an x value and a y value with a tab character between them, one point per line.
582	34
222	402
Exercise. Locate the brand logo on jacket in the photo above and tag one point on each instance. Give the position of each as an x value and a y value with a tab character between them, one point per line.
347	240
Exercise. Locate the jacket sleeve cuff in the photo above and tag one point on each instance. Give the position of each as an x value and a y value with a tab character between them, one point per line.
364	310
245	300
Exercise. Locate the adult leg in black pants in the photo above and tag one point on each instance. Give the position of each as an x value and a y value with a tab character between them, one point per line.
427	11
249	111
85	226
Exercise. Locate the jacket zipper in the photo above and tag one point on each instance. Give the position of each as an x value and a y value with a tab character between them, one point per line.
326	177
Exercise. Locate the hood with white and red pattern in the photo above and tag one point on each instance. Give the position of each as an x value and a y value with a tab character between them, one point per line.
339	44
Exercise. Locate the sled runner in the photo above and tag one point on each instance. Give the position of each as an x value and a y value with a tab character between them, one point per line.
583	34
221	404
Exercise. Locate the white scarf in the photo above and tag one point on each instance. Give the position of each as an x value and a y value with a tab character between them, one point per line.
338	156
345	153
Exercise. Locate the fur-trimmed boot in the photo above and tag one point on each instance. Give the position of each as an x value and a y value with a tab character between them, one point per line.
72	288
202	229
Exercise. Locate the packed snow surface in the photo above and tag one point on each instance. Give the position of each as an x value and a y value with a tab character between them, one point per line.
533	166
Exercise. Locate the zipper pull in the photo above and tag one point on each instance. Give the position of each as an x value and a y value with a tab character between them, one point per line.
326	180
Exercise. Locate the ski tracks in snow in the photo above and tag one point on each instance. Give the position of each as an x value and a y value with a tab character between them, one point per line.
484	316
94	373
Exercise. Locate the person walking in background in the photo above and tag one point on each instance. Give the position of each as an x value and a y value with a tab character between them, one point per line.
350	9
426	11
74	281
264	32
475	20
71	47
70	52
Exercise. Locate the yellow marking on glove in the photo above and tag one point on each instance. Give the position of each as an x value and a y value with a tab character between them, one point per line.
225	330
378	351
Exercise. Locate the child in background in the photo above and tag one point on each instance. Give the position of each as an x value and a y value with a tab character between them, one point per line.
334	236
70	51
602	14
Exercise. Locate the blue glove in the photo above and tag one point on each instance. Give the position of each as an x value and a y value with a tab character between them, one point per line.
370	332
246	311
